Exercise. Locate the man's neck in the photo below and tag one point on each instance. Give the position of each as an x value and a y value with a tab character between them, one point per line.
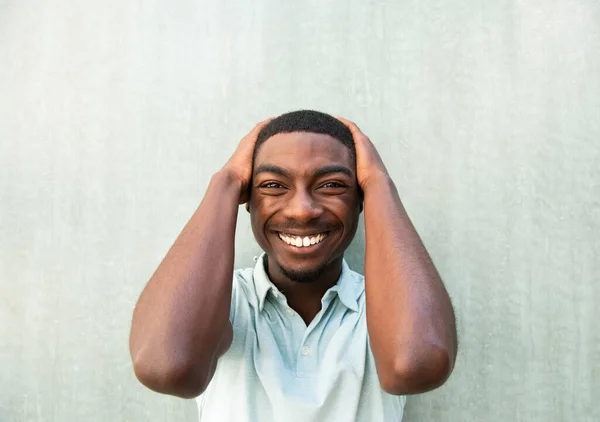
304	298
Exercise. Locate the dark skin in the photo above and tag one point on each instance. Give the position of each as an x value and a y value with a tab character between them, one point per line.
304	184
181	322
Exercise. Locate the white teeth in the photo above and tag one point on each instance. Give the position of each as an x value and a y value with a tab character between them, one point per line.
301	242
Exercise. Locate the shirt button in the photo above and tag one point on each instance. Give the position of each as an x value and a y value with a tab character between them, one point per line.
275	294
305	350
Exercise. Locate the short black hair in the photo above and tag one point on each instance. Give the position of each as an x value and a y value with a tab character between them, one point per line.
307	121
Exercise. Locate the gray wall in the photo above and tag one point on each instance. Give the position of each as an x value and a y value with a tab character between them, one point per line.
114	115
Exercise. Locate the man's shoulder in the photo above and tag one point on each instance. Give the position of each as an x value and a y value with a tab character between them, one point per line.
358	276
355	284
243	274
243	280
243	296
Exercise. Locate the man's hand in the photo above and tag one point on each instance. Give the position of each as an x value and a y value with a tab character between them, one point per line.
369	165
240	163
410	319
180	326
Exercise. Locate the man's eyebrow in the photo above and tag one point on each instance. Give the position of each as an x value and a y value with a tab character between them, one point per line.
320	172
323	171
270	168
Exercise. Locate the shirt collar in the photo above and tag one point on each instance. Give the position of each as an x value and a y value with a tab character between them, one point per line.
348	286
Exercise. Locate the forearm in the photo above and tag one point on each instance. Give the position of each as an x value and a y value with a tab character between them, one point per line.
183	313
409	315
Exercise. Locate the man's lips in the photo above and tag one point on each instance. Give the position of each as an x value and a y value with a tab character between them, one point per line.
302	234
297	240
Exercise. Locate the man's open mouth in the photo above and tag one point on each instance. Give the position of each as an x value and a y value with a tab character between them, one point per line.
302	241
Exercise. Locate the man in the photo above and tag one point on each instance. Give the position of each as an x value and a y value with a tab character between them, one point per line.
300	337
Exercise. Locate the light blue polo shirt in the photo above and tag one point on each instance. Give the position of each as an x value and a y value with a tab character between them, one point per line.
278	369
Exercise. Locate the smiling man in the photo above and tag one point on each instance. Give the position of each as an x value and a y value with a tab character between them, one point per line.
299	337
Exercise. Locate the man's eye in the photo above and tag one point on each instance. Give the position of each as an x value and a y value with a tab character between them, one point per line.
271	185
333	185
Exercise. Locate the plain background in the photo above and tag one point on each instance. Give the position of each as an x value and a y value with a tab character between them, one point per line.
114	115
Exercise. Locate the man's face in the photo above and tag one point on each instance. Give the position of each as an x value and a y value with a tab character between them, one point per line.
305	202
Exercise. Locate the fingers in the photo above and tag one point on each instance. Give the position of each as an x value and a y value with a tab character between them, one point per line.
256	129
351	125
354	129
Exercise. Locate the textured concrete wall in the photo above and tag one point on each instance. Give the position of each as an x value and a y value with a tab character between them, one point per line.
114	115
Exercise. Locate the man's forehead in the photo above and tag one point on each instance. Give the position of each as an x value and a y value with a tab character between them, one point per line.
316	146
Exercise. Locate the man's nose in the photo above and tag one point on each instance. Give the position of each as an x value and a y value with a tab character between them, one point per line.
303	206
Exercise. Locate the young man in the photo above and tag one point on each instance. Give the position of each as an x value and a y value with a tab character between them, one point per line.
300	337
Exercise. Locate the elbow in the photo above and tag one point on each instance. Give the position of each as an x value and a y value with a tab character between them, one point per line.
418	374
180	379
175	368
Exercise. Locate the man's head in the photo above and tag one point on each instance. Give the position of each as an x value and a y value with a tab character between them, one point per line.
307	121
305	199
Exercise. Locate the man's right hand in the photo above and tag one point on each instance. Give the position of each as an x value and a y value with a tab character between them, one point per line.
180	325
240	163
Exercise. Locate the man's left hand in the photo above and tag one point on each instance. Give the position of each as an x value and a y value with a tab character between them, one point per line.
369	165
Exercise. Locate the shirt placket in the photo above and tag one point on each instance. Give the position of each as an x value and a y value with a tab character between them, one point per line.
307	356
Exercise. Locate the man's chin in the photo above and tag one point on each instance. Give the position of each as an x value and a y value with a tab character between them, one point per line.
302	275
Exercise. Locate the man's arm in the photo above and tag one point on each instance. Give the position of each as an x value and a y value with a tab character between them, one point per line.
410	319
181	322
